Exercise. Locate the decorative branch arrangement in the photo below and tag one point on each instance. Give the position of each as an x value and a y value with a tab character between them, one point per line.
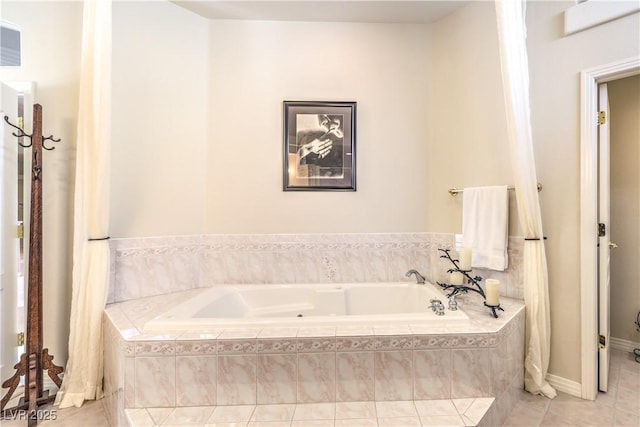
36	359
460	288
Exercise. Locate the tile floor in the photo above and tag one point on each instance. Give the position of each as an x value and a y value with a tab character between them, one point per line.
620	406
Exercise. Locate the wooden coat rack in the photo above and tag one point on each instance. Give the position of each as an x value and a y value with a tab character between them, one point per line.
36	359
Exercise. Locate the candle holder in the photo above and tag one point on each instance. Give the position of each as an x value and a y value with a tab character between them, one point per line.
474	281
493	309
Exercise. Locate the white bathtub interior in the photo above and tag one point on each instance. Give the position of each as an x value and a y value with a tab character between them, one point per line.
305	305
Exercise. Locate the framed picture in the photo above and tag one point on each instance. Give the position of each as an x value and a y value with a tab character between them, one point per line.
319	146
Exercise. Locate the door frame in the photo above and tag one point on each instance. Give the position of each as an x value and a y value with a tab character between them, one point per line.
604	241
590	79
8	232
26	89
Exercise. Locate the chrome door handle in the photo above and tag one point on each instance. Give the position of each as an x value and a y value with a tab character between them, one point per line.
612	245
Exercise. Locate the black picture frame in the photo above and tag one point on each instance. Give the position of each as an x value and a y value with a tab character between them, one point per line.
319	146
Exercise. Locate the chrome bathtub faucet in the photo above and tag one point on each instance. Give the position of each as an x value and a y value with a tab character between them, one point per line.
419	277
437	307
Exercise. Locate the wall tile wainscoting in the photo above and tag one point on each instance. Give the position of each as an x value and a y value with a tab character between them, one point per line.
143	267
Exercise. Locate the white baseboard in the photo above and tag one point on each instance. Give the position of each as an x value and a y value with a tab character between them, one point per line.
564	385
574	388
624	345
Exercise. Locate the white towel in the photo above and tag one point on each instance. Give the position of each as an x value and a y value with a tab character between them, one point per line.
485	226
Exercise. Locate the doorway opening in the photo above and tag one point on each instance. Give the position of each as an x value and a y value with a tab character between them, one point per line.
589	198
624	101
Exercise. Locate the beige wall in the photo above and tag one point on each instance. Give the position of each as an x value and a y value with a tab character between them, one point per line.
51	37
256	65
624	101
160	118
467	143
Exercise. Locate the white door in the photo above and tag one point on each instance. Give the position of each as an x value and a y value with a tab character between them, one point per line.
8	233
604	239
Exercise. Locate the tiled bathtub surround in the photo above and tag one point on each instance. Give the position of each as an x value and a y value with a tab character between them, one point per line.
158	265
479	358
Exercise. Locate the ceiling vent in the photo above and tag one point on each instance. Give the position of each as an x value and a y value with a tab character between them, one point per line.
9	45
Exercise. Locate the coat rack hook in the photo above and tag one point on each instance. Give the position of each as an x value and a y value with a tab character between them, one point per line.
21	133
49	138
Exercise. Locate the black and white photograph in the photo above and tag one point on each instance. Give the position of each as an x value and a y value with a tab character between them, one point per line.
319	145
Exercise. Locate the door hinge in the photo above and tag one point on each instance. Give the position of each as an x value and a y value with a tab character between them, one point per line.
21	231
602	117
602	341
602	230
20	339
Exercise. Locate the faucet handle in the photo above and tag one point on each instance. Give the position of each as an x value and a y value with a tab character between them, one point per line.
437	306
453	304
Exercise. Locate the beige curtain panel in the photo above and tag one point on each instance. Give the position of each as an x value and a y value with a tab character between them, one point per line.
84	371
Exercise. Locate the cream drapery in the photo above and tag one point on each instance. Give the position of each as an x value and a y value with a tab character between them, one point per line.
84	370
510	18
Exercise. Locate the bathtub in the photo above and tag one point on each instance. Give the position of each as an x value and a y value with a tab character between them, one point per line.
247	306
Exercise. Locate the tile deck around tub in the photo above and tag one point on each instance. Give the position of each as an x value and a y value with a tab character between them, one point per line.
448	412
130	317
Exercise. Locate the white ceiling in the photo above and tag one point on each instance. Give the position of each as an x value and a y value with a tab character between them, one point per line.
393	11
